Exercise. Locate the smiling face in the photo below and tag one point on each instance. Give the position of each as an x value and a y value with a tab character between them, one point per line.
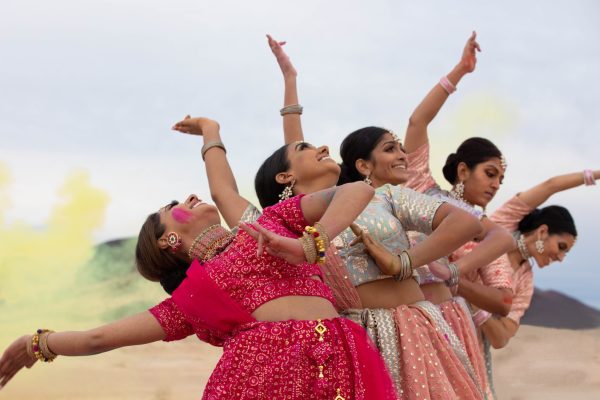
556	246
387	162
311	168
481	182
187	219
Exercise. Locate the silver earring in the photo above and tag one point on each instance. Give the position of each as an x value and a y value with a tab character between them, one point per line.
458	191
539	246
368	180
287	192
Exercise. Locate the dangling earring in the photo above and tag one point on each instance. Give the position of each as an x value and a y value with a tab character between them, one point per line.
174	242
368	180
458	191
287	192
539	246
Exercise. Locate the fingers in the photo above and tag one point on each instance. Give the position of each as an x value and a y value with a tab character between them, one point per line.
260	248
249	229
356	229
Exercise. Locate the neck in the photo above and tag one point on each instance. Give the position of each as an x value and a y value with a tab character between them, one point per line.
313	186
209	243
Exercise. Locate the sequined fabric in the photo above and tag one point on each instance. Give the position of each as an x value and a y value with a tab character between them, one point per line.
391	213
508	216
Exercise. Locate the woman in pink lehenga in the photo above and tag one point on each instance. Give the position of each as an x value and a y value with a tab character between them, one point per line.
435	371
476	171
273	315
544	235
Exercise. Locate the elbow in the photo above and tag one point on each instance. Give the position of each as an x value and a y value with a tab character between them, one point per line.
475	226
498	342
366	191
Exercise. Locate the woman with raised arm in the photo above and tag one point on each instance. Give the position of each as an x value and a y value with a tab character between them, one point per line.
274	317
545	235
476	171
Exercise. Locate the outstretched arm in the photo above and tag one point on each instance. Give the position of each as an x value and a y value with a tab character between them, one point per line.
495	300
222	184
416	133
537	195
138	329
292	125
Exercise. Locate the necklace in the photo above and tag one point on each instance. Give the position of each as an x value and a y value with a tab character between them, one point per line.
210	242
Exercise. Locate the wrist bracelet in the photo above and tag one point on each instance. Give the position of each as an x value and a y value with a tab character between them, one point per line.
447	85
210	145
480	317
588	177
291	109
454	275
406	270
39	346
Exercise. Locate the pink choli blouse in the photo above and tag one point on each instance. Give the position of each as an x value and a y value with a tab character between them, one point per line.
221	294
508	216
496	274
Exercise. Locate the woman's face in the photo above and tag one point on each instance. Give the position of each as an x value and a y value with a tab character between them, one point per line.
482	182
556	247
310	164
388	162
188	219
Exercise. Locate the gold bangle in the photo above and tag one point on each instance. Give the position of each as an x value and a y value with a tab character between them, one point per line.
39	346
308	245
291	109
210	145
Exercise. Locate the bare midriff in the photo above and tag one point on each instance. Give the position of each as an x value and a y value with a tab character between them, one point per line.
436	293
389	293
298	308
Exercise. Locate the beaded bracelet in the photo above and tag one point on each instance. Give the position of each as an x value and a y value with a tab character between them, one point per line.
588	177
447	85
39	346
320	241
291	109
210	145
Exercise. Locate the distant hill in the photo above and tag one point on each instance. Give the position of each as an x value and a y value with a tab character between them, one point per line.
553	309
113	264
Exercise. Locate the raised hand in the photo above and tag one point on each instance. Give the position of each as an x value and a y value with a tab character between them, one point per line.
283	60
469	55
276	245
14	358
194	126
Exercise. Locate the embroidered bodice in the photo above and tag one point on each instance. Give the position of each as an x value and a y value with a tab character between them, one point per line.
392	212
508	216
241	280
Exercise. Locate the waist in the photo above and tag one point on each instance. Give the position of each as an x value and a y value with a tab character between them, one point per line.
436	292
389	293
297	308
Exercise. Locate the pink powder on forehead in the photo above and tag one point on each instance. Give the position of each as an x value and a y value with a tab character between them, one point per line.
181	215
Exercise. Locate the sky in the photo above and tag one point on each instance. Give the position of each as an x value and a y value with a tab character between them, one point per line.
90	89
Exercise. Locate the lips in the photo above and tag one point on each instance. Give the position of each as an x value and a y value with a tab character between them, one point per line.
326	158
198	203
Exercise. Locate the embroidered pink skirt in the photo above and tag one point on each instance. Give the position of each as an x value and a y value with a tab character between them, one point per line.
456	313
421	361
300	360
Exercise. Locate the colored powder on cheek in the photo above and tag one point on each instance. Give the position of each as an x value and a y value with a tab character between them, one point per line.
182	216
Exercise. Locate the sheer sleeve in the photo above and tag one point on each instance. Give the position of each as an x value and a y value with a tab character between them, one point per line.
511	213
523	292
420	178
415	211
172	320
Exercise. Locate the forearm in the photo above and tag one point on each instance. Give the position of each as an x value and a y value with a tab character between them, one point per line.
135	330
455	229
335	209
221	181
426	111
499	331
497	301
537	195
292	124
496	243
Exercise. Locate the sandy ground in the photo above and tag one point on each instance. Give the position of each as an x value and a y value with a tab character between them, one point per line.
539	363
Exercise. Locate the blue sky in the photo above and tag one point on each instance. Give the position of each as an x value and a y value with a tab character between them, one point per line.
95	86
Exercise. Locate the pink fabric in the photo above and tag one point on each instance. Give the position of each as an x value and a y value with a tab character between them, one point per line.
497	274
429	368
336	277
420	178
280	360
508	216
461	324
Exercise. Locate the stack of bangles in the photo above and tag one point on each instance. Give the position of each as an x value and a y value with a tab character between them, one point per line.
315	242
454	275
406	270
38	348
480	317
447	85
291	109
588	177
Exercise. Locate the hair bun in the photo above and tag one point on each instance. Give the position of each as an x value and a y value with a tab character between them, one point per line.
449	169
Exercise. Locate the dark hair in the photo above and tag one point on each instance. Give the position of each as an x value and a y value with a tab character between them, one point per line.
154	263
358	145
557	218
472	151
266	187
